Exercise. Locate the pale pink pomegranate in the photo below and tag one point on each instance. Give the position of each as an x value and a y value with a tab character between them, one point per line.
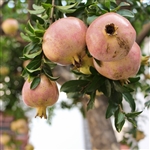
110	37
45	94
64	41
123	68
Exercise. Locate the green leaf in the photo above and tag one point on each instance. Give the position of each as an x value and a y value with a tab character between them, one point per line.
36	12
36	18
126	13
133	114
30	27
111	109
67	9
90	19
36	7
74	86
119	120
91	101
121	117
34	65
116	97
32	50
48	72
96	82
35	83
108	88
122	89
134	79
47	6
128	97
132	121
25	37
39	33
107	4
124	4
33	55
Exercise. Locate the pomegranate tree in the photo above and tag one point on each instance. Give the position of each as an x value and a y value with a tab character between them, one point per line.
110	37
45	94
64	41
10	26
123	68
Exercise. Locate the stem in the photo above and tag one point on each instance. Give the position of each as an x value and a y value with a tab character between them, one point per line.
52	12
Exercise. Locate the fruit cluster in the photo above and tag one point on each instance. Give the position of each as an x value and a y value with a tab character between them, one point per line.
110	41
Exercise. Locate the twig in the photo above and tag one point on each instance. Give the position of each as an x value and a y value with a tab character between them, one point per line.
52	12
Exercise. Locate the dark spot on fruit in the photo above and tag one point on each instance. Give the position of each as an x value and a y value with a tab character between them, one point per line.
123	44
107	50
117	75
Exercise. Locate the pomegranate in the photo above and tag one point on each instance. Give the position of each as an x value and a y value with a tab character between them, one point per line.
10	26
64	41
110	37
20	126
5	139
45	94
121	69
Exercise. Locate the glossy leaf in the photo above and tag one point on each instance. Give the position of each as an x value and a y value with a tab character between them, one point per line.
67	9
126	13
74	86
90	19
111	109
128	97
96	82
122	89
25	37
35	83
133	114
107	4
119	120
134	79
36	12
116	97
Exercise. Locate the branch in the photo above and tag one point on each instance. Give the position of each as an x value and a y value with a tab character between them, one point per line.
144	32
52	12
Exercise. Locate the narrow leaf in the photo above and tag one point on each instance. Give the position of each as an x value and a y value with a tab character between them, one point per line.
119	88
128	97
133	114
111	109
121	117
74	86
126	13
35	83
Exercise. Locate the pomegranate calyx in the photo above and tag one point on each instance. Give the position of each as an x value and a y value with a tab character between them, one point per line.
111	29
76	61
41	112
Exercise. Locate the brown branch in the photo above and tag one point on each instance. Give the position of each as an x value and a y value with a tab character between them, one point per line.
144	32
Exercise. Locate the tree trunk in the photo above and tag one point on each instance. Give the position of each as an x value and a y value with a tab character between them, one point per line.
101	131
